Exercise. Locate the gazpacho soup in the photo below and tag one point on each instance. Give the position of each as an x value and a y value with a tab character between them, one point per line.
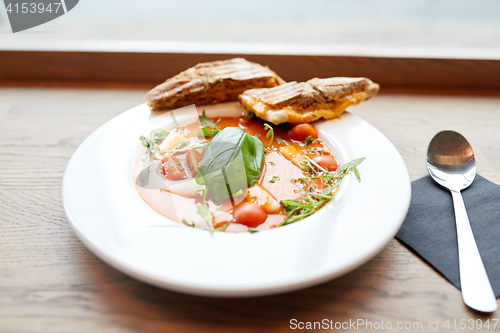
237	174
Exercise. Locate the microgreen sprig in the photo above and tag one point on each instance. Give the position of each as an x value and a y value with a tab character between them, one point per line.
308	140
299	209
270	133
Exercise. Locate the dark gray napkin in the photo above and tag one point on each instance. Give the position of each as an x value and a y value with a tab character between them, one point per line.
429	228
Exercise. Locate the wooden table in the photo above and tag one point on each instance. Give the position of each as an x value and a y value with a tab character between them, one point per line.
49	282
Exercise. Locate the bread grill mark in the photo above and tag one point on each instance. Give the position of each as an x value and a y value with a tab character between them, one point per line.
209	83
308	101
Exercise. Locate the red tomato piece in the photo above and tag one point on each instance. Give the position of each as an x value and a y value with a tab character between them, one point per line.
302	131
250	215
173	168
327	162
193	158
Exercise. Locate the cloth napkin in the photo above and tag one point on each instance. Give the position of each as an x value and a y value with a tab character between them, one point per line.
429	228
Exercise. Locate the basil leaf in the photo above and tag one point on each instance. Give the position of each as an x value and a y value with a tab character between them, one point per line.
232	162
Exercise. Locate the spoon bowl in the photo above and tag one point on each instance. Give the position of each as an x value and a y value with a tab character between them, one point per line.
450	160
451	163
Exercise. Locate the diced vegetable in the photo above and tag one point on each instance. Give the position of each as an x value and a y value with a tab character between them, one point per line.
260	196
172	140
193	158
302	131
250	215
185	189
294	155
173	168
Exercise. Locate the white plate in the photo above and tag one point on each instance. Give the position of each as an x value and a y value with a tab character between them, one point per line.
112	220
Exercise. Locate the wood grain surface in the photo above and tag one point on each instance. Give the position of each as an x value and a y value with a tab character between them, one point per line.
49	282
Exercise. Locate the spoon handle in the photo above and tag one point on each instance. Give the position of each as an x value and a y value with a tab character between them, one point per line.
476	288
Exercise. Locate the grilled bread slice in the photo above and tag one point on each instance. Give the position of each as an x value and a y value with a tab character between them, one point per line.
210	83
303	102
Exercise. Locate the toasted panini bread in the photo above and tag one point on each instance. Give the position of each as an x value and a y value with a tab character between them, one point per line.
303	102
210	83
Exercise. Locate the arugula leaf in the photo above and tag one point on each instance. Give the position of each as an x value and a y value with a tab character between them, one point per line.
208	133
299	209
205	131
270	133
350	167
308	140
205	214
189	224
205	121
232	162
275	179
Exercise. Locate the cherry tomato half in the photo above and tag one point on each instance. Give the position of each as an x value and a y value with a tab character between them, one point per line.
250	215
327	162
302	131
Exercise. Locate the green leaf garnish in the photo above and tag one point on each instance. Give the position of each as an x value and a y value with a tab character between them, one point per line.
232	161
308	140
205	214
249	116
275	179
252	230
151	144
189	224
351	166
279	139
205	130
317	151
299	209
270	133
205	121
175	120
208	133
182	145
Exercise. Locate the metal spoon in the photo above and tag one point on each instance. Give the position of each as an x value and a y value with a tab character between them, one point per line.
451	163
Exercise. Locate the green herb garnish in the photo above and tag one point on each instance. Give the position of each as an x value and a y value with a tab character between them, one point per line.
151	144
189	224
182	145
299	209
205	131
317	151
275	179
205	121
203	210
252	230
279	139
270	133
308	140
208	133
175	120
